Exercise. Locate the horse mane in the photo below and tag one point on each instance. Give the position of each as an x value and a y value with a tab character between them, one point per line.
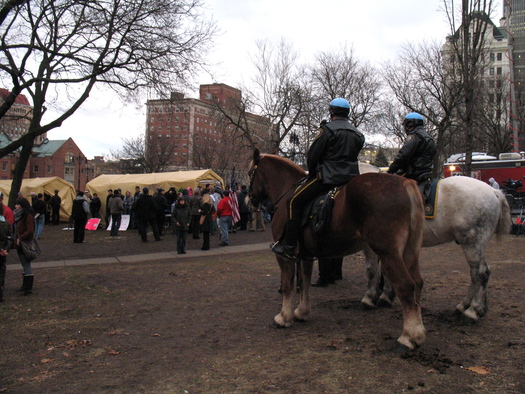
284	162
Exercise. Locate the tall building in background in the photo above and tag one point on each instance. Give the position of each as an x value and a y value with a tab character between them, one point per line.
514	12
189	130
16	121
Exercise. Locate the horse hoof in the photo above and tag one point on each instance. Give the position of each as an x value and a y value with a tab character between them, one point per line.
367	304
401	349
403	345
384	303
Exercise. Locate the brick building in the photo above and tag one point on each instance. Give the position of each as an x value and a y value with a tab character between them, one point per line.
62	158
189	130
15	122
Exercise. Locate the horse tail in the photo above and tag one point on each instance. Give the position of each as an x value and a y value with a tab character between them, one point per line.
505	221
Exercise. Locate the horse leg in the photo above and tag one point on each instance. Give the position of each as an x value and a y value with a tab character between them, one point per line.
474	305
285	317
407	284
373	273
305	268
387	296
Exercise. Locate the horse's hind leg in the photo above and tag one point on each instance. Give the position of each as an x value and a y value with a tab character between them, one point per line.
474	305
374	275
305	274
407	284
285	317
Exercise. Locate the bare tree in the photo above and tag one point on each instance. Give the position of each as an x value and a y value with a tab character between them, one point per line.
420	81
143	155
280	94
341	74
55	51
467	46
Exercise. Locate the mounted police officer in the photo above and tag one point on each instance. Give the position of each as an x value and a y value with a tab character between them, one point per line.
332	161
414	159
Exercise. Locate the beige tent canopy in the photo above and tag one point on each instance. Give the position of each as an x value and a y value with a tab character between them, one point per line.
165	180
45	186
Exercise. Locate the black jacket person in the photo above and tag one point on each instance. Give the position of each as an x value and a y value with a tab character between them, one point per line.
332	161
414	159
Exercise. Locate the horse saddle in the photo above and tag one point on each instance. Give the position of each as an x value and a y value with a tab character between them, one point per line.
318	213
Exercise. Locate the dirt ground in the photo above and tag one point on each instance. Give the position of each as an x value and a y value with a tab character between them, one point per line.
201	325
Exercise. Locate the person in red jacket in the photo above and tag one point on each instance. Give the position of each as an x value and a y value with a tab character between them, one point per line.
224	212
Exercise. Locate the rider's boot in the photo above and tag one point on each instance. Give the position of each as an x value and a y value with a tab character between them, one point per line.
286	248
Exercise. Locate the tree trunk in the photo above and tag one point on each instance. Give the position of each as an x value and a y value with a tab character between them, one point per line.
18	173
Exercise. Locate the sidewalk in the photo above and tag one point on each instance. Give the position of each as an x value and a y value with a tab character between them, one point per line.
145	257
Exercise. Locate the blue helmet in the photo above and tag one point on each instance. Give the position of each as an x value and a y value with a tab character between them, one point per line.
339	107
339	102
413	119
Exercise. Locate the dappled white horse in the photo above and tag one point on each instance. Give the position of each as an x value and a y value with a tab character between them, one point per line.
468	212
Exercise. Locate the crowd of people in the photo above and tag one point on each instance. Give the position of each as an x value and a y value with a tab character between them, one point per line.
199	212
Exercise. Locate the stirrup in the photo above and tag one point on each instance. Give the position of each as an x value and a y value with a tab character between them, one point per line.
283	250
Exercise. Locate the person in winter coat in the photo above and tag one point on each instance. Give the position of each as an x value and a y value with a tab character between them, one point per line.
25	231
39	206
332	161
146	211
94	206
6	241
116	208
207	223
55	208
181	215
195	206
414	159
79	213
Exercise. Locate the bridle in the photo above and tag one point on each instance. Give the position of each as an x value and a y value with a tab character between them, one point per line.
285	194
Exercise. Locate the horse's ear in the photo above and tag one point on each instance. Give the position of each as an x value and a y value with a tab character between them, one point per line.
256	156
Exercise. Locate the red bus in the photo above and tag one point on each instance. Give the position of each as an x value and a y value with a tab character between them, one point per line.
509	166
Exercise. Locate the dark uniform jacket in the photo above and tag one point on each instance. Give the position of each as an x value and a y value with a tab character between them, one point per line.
415	157
333	154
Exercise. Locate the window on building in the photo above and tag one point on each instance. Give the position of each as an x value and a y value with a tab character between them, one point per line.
499	56
492	57
152	119
491	71
49	169
176	154
70	157
184	146
35	168
499	71
184	154
4	166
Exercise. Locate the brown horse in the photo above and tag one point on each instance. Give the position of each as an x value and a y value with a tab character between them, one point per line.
380	210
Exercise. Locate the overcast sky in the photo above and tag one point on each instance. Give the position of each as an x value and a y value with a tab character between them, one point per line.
375	28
